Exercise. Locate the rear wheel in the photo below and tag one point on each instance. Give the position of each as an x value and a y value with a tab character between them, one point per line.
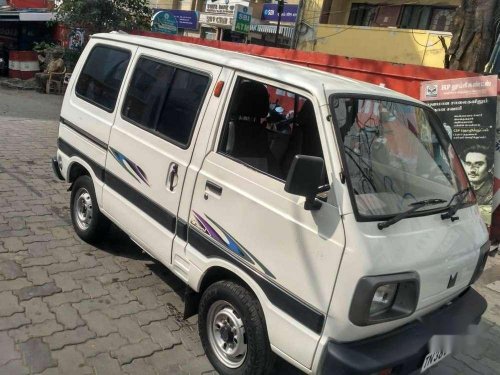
88	221
233	330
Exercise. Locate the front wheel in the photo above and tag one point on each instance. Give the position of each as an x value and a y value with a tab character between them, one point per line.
88	221
233	330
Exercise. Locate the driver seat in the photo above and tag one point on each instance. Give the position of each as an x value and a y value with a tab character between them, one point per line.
247	137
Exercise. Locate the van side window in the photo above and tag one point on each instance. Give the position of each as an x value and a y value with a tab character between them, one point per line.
146	92
101	77
181	107
267	126
165	99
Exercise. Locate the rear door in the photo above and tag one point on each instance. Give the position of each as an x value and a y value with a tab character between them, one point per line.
90	104
152	143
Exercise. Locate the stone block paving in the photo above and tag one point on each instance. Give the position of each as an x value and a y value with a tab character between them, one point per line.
70	308
67	307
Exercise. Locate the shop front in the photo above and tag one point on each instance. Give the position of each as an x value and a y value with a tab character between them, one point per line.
19	31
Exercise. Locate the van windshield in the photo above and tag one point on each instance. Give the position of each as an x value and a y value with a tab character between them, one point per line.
396	154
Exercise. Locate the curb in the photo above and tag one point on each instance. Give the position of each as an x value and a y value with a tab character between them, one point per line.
14	86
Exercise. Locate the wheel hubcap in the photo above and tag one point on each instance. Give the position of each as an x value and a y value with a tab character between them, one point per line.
83	209
226	334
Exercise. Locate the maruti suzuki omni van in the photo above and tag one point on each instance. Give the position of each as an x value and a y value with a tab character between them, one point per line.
311	216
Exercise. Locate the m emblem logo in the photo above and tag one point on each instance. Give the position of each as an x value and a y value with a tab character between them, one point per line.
452	281
431	91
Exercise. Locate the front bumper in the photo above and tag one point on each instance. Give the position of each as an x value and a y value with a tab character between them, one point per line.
405	348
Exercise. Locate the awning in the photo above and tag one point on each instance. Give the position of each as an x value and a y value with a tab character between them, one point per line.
271	29
16	16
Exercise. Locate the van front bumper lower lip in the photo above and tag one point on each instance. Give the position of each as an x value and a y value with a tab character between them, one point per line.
405	348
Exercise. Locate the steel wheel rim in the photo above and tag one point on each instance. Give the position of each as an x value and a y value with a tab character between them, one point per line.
83	208
226	334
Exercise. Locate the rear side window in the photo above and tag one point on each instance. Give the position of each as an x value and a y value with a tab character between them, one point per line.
165	100
146	92
102	76
180	110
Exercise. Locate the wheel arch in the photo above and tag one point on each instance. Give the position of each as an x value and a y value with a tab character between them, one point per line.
212	275
77	169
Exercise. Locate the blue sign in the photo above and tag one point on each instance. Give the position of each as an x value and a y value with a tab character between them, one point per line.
186	19
164	22
289	14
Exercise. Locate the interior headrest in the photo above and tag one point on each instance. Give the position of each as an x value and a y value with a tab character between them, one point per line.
306	114
252	100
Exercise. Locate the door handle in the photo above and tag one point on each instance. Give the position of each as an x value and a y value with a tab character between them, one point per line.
172	175
213	188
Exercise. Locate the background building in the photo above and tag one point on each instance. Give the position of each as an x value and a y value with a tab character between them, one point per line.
395	30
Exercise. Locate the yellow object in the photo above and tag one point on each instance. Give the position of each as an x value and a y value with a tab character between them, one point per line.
419	47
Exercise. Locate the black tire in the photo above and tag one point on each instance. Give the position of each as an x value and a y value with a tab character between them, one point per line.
259	358
98	225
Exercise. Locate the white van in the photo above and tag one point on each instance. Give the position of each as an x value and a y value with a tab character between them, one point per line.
315	217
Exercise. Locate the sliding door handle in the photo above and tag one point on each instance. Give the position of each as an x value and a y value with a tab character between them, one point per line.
172	175
213	188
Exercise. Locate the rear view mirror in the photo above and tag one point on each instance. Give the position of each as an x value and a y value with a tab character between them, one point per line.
304	177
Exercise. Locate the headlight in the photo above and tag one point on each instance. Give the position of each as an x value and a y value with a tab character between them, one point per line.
384	298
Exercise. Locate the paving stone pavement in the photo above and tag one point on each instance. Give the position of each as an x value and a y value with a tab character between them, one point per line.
71	308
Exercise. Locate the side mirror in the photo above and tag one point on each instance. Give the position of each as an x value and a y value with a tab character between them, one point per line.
304	178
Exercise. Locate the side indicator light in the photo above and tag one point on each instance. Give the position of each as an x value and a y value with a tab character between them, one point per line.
218	88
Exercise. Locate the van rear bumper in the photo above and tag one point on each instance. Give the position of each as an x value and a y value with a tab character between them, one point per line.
405	348
55	169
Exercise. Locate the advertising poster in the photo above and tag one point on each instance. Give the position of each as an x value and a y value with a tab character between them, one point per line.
76	39
468	109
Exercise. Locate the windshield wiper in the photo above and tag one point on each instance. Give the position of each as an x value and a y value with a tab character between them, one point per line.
452	210
415	207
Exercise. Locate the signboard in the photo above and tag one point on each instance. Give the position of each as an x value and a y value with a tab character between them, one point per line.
222	14
223	6
164	22
186	19
289	14
220	8
216	19
242	19
468	109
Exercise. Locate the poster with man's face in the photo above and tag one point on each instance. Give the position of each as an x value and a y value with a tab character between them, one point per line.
478	166
468	109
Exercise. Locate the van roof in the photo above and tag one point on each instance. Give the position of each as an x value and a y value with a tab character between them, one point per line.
309	79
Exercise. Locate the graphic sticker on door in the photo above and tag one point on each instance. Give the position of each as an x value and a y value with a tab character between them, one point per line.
133	169
224	238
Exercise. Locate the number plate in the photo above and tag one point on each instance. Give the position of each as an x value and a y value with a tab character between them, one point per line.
432	358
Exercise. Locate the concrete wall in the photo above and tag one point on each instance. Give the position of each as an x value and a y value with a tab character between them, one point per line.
417	47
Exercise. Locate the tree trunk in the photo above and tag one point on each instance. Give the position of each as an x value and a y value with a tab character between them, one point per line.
473	30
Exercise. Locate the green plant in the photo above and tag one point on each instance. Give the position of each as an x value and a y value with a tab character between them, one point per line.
104	15
39	47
